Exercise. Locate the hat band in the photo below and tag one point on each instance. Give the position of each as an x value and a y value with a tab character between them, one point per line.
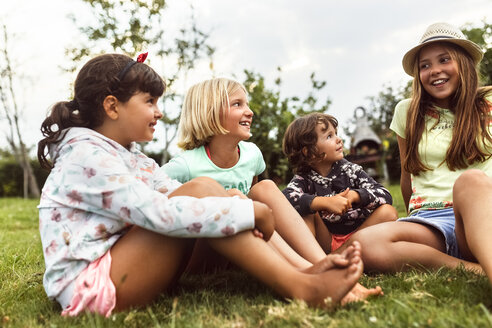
438	37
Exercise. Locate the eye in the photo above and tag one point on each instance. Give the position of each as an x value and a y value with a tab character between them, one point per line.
445	59
424	66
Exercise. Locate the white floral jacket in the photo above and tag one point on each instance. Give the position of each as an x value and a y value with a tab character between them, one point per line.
98	189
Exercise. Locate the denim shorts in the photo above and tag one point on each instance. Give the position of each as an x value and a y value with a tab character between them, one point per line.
442	220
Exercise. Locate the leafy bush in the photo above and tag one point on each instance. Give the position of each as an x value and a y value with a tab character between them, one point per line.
12	177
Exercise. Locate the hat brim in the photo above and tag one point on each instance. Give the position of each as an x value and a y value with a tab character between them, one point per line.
470	47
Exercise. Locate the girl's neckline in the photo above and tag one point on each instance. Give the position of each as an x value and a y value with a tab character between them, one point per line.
207	151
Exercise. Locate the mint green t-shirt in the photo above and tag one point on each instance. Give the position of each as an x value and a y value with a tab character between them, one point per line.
433	189
195	163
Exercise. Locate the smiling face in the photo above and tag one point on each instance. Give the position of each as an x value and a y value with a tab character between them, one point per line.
137	118
238	117
438	73
328	143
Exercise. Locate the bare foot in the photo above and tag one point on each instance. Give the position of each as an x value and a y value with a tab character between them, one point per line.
332	261
360	293
333	285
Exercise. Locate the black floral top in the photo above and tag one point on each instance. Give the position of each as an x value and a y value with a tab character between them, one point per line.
302	189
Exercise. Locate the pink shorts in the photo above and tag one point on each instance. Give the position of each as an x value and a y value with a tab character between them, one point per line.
92	291
339	240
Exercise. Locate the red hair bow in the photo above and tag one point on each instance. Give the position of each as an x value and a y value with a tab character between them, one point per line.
141	58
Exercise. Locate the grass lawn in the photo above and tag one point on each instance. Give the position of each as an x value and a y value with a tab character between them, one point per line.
443	298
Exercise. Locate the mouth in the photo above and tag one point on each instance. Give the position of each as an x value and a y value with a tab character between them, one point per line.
439	82
245	123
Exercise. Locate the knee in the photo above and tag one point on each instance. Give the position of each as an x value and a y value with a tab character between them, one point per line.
267	184
471	180
387	213
264	187
374	246
205	186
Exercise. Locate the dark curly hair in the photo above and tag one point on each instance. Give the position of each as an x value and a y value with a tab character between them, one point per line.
97	79
299	143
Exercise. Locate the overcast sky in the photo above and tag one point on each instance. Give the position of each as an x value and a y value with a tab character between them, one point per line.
356	46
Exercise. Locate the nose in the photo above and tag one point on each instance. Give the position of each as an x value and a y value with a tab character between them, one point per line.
249	112
435	70
157	112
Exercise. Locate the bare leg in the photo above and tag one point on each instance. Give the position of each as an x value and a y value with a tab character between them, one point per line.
257	258
384	213
472	200
321	232
400	246
301	234
145	263
289	224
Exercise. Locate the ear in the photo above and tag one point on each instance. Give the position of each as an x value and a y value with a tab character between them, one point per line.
110	107
304	150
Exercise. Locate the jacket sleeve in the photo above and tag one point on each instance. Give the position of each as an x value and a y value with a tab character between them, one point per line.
372	194
299	195
97	180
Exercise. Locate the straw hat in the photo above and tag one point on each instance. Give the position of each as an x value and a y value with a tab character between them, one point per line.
441	32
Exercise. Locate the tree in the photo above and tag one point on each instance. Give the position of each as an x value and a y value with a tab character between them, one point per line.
483	37
132	26
272	116
12	115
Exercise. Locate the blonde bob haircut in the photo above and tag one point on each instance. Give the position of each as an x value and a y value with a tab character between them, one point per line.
205	105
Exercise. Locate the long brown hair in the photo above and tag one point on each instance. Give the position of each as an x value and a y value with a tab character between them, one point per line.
471	110
97	79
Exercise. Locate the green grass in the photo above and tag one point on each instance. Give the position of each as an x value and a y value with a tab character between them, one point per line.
444	298
398	202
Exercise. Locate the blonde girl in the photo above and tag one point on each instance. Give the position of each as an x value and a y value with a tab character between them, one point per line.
214	126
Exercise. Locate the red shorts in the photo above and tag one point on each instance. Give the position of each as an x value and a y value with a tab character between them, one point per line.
339	240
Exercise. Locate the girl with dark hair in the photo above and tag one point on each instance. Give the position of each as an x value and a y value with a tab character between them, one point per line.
116	232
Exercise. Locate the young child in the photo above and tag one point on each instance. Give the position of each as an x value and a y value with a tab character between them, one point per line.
116	232
335	197
215	122
445	143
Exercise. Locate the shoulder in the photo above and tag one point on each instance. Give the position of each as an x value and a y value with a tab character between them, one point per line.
345	165
183	160
250	150
189	155
249	146
488	94
86	142
403	105
299	180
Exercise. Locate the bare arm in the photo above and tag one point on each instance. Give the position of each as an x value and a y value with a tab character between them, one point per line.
405	180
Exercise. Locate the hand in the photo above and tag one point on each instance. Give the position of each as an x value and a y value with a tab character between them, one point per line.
338	204
236	192
353	196
264	220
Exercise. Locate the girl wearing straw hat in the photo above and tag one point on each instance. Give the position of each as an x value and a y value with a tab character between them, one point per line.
444	135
